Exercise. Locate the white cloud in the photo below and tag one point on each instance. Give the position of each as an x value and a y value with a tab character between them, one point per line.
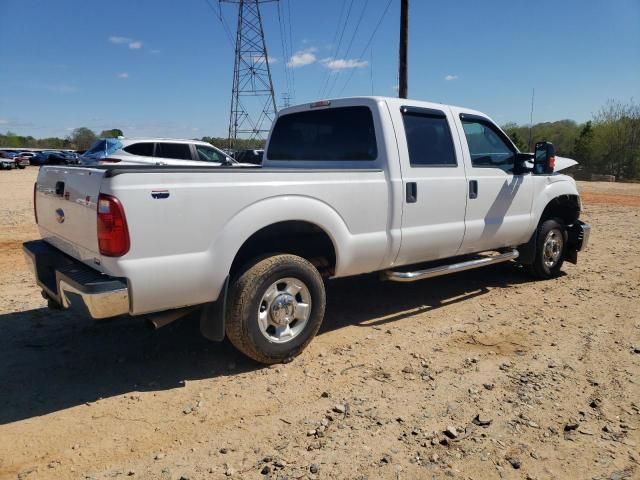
449	78
120	40
336	64
4	121
302	58
135	45
155	51
123	75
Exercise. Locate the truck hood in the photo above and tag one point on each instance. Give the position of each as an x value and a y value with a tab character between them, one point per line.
562	163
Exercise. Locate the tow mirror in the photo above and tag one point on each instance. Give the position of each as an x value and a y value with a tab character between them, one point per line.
545	158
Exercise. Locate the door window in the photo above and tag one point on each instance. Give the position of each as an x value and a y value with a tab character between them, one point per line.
178	151
208	154
428	140
486	145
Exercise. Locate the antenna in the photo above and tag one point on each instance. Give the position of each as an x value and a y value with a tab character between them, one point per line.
253	104
533	96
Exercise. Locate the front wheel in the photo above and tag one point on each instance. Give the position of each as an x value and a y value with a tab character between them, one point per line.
275	308
551	247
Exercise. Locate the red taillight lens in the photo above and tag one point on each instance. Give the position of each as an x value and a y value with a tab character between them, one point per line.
35	211
113	234
110	160
552	163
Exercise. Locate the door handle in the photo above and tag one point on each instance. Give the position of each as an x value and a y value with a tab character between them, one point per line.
412	192
473	189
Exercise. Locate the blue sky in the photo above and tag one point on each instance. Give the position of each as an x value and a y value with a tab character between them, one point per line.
164	67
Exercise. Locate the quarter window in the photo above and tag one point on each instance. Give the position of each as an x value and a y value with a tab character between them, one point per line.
486	146
142	149
177	151
342	133
428	139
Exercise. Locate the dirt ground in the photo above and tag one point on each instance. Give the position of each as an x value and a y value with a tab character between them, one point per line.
551	371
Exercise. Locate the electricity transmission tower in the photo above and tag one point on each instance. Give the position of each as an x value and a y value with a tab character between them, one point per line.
253	104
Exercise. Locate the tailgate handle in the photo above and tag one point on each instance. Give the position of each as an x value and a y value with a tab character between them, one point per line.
59	188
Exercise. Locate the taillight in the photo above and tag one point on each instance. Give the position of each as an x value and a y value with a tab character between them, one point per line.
113	234
35	211
110	160
552	163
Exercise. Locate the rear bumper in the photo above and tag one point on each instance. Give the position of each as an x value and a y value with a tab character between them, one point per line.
74	285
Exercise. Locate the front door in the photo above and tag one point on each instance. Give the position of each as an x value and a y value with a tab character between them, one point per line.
435	189
499	205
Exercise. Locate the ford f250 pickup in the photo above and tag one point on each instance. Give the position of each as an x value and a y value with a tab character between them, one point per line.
406	188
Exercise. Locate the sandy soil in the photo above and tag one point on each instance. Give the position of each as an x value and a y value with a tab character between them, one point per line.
548	368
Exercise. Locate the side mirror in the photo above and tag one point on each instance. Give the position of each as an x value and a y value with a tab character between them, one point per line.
545	158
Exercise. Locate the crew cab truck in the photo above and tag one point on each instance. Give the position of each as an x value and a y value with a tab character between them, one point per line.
350	186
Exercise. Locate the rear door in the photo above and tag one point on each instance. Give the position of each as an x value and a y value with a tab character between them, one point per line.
435	189
66	206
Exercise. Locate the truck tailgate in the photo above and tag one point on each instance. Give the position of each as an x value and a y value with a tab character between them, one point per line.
66	202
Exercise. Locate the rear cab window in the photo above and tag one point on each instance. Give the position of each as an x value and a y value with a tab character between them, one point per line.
338	134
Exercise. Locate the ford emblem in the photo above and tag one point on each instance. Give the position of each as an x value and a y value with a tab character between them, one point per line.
60	215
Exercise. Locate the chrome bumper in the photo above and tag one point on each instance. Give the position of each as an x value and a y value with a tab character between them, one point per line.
579	236
74	285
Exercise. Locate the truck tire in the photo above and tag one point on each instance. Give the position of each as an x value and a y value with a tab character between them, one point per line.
551	247
275	308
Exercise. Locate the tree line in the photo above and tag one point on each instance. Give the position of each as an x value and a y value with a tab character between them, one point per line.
608	144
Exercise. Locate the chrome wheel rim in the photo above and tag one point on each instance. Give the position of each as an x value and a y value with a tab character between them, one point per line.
284	310
552	248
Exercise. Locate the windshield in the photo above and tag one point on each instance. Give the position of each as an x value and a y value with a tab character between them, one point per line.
102	148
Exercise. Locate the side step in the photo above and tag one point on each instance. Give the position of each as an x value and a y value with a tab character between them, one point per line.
453	268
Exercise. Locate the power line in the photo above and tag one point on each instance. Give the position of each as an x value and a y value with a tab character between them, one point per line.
364	50
335	53
353	37
335	38
218	14
289	22
285	53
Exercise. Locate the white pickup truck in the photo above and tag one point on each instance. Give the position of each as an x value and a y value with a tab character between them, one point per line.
406	188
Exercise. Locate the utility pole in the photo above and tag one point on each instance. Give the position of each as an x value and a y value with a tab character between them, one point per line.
404	46
253	103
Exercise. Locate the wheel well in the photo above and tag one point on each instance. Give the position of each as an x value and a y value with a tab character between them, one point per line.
295	237
565	207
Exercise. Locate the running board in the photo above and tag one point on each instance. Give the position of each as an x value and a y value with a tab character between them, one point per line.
447	269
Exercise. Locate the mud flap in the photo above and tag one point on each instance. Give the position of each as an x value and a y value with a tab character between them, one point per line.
212	316
527	251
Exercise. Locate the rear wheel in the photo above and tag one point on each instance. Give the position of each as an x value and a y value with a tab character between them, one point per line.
551	245
275	308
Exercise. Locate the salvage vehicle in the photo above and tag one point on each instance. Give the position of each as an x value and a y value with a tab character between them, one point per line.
154	151
406	188
9	160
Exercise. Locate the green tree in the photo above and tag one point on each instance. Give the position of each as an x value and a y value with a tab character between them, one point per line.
113	133
82	138
583	149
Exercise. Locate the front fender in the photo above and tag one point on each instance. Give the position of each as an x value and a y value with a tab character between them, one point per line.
549	188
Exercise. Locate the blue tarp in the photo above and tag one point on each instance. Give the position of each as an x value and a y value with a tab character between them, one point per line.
102	148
